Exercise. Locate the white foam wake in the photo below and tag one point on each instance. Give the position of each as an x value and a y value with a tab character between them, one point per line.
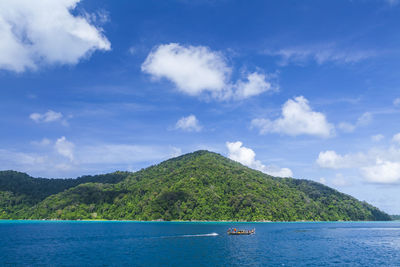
211	234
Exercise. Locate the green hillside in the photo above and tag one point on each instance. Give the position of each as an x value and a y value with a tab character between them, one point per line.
196	186
40	188
19	192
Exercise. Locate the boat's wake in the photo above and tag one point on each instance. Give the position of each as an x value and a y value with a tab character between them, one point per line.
198	235
211	234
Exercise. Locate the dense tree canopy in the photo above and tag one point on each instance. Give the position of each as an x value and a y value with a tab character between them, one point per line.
196	186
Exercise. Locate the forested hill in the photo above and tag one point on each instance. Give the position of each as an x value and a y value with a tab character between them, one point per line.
198	186
40	188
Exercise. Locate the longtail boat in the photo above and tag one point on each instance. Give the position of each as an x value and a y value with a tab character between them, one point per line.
241	232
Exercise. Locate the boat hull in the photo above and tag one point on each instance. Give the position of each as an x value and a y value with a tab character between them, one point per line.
240	233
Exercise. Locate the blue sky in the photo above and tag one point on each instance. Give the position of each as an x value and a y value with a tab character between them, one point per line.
307	89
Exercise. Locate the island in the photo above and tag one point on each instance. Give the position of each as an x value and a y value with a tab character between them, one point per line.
199	186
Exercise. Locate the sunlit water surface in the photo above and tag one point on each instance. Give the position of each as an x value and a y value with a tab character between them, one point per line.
70	243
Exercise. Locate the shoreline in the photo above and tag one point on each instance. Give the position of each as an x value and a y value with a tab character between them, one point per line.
181	221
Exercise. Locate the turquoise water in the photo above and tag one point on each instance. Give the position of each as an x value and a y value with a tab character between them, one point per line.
38	243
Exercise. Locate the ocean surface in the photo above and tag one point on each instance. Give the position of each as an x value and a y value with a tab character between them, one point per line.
74	243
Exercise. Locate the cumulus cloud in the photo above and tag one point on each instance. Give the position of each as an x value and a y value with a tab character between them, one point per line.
189	124
45	32
196	70
331	160
246	156
297	118
385	172
49	116
256	84
396	102
65	148
364	120
193	69
378	165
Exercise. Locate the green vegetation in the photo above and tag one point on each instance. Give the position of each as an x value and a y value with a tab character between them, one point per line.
19	192
196	186
395	217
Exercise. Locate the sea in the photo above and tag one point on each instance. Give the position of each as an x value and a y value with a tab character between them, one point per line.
125	243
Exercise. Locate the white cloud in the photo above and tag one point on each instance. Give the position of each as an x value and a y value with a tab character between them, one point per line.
24	159
346	127
256	84
38	164
176	152
396	138
322	180
193	69
319	53
378	165
49	116
65	148
364	120
45	32
99	17
189	124
241	154
377	137
297	118
246	156
276	171
385	172
396	102
196	70
62	158
331	160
